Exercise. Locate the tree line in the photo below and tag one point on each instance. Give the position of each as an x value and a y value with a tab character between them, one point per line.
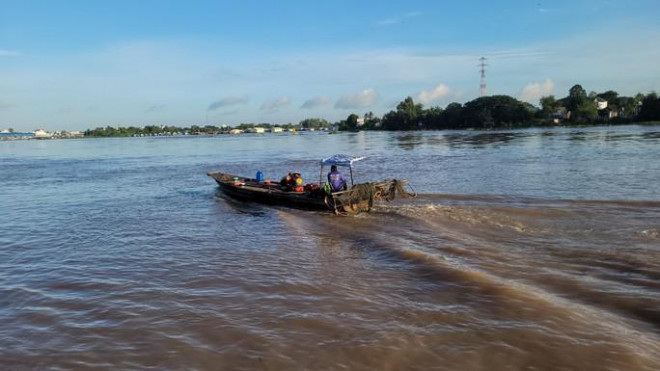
502	111
489	112
151	130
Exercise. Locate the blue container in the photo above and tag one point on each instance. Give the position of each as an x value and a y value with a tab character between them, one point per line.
259	177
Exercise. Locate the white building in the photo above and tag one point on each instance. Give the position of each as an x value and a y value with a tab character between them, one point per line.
42	134
256	129
276	129
600	103
235	131
72	134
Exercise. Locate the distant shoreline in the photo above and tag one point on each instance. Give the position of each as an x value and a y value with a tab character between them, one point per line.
330	131
18	137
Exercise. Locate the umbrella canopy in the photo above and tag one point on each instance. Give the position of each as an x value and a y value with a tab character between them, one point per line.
341	160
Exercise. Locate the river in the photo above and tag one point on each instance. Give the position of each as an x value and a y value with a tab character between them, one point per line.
535	249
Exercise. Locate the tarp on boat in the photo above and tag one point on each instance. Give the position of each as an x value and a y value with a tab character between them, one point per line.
341	160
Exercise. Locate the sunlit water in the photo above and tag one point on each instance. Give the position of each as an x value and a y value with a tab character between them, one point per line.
526	250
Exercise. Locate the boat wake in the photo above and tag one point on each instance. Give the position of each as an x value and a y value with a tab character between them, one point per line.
584	268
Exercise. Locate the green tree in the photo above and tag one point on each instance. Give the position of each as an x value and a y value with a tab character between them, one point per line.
411	109
406	117
650	108
627	107
433	118
583	110
610	96
497	111
352	121
452	116
371	121
549	106
577	93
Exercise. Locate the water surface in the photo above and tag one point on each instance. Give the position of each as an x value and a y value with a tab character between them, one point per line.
529	249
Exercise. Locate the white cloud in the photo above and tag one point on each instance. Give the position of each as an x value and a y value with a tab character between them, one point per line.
433	96
8	53
228	101
276	104
316	102
534	91
364	99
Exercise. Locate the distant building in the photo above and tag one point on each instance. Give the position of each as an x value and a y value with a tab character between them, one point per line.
72	134
256	130
360	121
609	113
235	131
12	135
42	134
600	103
276	129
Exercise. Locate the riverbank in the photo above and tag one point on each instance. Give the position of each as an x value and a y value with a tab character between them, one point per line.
233	132
40	135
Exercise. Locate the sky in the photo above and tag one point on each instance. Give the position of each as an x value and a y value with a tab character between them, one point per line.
74	65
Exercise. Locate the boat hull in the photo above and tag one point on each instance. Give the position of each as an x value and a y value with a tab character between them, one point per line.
252	191
359	198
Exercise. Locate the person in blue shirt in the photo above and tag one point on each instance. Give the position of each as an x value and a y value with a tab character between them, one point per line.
336	180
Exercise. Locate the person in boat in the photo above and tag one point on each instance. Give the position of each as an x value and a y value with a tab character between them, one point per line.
288	182
298	183
336	180
292	182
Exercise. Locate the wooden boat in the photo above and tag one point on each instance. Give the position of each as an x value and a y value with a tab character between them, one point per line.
356	199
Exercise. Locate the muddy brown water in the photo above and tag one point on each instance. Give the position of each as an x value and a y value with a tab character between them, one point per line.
525	250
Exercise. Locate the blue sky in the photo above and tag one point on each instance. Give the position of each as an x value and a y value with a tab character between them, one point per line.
74	65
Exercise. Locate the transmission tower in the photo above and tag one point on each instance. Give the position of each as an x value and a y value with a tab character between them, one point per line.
482	70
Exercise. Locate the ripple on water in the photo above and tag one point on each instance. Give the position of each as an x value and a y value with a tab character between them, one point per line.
121	254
